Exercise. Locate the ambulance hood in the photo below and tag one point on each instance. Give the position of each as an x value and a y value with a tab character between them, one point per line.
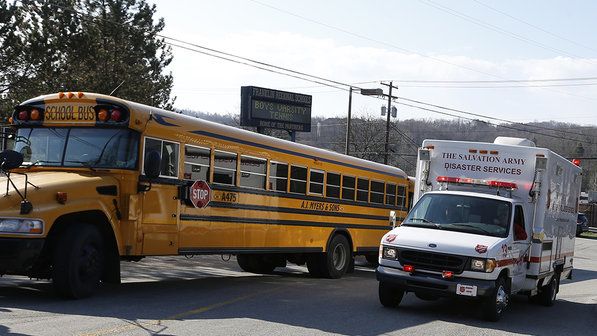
442	241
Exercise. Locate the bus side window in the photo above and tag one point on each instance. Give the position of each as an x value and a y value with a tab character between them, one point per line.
168	153
377	192
316	182
252	172
225	168
332	188
196	163
363	190
278	176
298	180
391	194
401	196
348	184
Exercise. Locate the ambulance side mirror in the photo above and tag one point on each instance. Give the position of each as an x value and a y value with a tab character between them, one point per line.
393	218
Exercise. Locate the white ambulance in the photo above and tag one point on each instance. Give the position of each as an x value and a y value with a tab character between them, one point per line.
490	220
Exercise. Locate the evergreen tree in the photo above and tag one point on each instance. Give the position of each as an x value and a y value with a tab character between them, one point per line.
84	45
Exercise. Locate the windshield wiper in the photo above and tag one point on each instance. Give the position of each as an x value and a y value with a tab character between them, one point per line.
424	220
473	227
83	163
426	223
40	161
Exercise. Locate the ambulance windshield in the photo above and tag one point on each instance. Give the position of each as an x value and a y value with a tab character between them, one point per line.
476	215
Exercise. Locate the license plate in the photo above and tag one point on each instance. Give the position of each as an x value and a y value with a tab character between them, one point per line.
466	290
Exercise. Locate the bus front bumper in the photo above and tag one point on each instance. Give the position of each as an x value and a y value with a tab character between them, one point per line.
435	285
18	255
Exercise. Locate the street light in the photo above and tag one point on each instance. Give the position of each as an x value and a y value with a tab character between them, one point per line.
364	92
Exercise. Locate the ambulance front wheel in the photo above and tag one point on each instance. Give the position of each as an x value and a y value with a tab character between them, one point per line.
495	305
389	295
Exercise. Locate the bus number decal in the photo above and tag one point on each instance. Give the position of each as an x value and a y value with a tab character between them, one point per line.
230	197
320	206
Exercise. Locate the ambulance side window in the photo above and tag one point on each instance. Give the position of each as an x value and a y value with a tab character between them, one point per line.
519	226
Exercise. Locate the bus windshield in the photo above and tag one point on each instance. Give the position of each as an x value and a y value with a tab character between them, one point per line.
78	147
476	215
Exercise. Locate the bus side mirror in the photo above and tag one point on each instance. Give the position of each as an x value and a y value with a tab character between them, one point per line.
152	164
10	159
393	218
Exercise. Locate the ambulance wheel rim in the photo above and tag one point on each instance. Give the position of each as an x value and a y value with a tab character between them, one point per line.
501	299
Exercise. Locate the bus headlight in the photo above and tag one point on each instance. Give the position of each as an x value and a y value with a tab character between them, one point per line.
21	225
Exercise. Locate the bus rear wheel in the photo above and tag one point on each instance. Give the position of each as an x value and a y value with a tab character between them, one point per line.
78	263
335	262
255	264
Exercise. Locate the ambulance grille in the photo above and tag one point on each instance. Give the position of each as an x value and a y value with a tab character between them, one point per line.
432	261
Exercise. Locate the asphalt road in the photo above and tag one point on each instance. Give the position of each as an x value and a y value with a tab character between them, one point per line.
209	296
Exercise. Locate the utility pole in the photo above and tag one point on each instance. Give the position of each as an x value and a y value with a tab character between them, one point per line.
385	160
346	150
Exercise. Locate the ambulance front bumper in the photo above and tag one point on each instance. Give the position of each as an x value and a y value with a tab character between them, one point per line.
434	284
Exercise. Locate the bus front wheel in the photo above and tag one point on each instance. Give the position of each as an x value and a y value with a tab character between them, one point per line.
78	261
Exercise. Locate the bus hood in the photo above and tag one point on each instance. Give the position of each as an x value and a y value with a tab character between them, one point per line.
441	241
43	186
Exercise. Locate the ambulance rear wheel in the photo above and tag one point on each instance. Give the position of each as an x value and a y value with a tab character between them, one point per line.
547	294
495	305
389	295
78	262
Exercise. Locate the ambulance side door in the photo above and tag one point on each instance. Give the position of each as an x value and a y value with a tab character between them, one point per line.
520	247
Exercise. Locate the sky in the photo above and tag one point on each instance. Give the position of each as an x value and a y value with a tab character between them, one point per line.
486	57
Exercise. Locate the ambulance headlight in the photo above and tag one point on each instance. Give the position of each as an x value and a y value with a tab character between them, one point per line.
483	265
389	253
21	225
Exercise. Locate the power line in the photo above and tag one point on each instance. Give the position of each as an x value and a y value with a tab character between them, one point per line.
498	81
493	124
397	47
501	30
496	86
488	117
534	26
296	74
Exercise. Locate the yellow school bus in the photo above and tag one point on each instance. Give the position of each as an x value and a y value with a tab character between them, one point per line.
92	180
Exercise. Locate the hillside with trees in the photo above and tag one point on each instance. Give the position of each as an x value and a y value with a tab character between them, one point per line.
368	138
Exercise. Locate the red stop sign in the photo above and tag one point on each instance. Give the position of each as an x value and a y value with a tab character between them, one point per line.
200	194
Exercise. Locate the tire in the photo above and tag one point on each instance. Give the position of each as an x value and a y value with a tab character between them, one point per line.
495	305
254	264
315	265
372	259
547	294
336	260
390	296
78	262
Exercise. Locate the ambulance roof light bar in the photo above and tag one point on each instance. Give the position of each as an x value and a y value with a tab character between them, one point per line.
464	180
